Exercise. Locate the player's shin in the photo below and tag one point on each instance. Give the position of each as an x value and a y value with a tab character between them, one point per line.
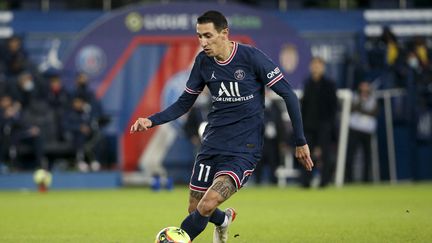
217	217
194	224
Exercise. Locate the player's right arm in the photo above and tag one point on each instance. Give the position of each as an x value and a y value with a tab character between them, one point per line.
194	86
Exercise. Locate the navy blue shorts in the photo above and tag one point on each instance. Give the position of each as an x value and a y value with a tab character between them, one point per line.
208	167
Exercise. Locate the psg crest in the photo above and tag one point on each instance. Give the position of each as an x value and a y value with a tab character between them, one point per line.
239	74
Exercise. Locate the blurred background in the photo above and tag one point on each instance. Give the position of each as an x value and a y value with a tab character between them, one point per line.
74	75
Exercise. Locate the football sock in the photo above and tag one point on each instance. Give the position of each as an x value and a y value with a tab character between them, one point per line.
217	217
194	224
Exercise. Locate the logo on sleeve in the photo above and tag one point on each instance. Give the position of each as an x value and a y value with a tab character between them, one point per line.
273	73
239	74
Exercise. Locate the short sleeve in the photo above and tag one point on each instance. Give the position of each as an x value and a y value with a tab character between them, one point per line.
195	83
265	69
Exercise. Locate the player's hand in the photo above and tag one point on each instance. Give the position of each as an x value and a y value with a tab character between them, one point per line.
302	154
141	124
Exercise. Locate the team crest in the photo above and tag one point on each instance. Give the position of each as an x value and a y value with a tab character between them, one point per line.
91	60
239	74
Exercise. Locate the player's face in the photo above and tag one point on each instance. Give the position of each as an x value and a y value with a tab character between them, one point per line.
211	40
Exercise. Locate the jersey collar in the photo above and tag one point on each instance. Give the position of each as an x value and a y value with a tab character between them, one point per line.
227	61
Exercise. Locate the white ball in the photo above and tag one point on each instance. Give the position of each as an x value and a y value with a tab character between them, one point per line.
43	177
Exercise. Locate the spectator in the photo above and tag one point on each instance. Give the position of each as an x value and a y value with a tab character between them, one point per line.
418	100
319	106
15	57
21	135
416	75
7	113
421	51
26	90
392	49
84	130
82	88
59	101
362	127
385	56
40	116
418	65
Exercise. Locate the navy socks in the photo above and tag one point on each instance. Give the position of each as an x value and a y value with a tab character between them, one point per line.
194	224
217	217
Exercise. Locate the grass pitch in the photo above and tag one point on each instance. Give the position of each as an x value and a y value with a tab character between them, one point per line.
385	213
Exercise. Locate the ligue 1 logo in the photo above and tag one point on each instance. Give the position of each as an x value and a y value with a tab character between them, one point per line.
134	21
91	60
239	74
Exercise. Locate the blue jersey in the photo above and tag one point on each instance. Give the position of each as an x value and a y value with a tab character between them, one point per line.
236	119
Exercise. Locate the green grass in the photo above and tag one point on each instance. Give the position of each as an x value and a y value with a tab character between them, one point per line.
384	213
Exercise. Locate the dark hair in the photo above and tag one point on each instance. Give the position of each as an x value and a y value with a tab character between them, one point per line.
215	17
318	59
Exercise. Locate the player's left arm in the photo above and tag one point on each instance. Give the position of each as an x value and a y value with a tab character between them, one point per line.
284	89
273	78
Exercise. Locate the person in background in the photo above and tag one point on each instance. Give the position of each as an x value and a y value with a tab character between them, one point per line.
98	116
421	51
15	58
8	111
59	101
20	132
363	123
392	49
82	88
319	106
418	65
83	128
27	90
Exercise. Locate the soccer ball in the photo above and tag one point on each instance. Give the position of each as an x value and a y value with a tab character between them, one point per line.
172	235
43	179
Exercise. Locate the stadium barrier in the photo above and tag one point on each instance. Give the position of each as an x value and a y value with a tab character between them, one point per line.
62	180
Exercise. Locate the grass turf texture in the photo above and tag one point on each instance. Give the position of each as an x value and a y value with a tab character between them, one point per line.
384	213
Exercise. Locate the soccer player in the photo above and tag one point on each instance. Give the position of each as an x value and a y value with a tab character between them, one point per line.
236	76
